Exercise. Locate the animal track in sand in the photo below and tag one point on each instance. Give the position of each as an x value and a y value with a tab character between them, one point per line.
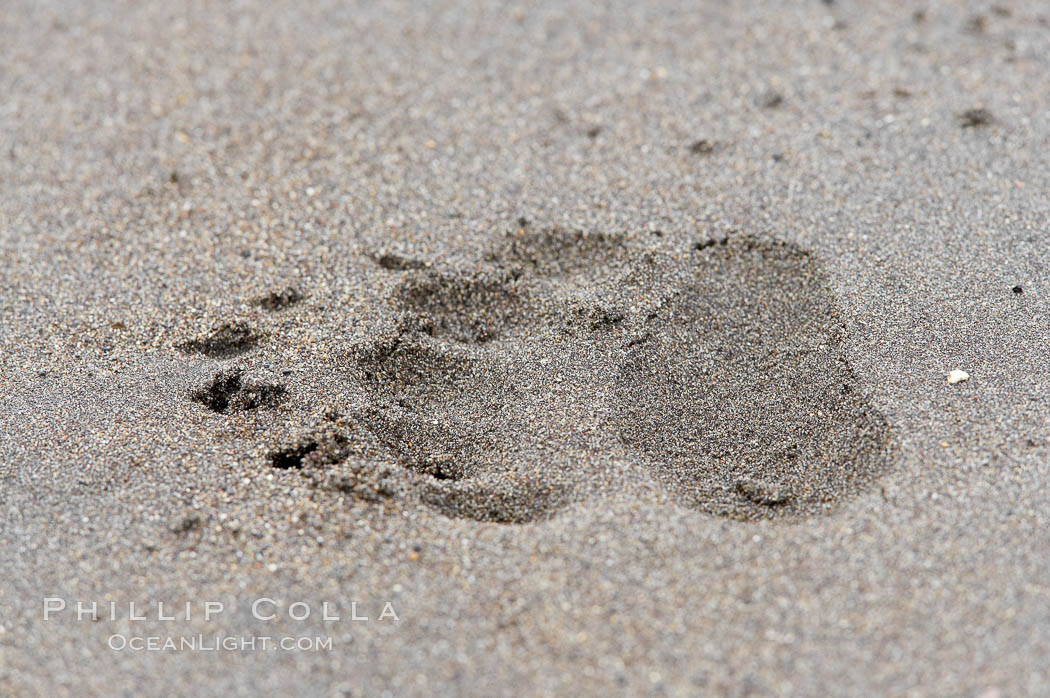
719	370
564	364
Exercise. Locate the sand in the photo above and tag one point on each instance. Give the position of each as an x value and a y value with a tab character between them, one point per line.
580	349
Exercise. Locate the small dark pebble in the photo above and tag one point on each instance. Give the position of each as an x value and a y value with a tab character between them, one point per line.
778	157
593	131
771	100
702	147
973	118
1018	289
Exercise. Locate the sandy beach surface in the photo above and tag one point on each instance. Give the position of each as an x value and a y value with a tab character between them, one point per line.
582	348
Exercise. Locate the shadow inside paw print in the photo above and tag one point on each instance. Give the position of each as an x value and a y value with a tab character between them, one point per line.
229	391
224	342
718	371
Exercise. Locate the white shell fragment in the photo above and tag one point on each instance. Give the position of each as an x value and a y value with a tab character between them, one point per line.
958	376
